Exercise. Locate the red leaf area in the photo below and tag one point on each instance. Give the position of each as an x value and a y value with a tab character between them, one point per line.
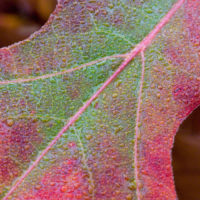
174	95
64	181
111	180
188	95
67	179
186	90
182	52
18	140
6	59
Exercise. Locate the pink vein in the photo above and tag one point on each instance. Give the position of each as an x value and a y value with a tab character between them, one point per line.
138	119
142	46
6	82
139	48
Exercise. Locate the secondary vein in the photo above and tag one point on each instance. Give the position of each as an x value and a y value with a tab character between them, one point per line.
129	57
46	76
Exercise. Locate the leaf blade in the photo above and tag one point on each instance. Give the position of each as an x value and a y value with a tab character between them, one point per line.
130	57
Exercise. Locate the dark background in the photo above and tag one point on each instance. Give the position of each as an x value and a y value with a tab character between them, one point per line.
20	18
186	158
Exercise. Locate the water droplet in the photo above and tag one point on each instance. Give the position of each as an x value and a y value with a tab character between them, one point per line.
114	95
10	122
129	197
88	137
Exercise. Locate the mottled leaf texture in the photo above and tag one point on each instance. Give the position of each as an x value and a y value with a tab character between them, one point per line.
90	104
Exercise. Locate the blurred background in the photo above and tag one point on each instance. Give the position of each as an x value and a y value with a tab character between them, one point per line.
20	18
186	158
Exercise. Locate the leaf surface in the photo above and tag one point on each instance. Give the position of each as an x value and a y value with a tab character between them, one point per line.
90	104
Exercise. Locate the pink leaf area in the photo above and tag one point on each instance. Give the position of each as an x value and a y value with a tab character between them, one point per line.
90	104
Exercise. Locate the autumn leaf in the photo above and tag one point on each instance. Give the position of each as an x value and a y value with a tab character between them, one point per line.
90	104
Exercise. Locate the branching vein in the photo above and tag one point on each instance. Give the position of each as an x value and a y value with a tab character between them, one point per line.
128	58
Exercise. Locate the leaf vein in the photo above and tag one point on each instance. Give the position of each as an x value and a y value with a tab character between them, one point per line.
46	76
128	58
85	161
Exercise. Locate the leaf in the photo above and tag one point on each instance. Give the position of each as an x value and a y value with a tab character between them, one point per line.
91	103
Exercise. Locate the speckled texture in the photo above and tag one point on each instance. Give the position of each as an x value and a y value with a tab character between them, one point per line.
171	94
100	144
94	157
